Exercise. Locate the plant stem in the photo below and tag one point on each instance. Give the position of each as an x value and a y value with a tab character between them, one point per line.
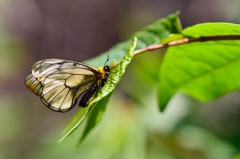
185	41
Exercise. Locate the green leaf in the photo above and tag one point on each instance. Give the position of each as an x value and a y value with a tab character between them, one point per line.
151	34
95	115
114	77
203	70
212	29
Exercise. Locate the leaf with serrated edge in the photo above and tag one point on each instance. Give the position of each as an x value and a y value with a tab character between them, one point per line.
149	35
114	77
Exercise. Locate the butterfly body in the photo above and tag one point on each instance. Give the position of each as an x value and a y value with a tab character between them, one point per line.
93	90
62	83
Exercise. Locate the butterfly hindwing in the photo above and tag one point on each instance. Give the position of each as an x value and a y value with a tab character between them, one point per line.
34	85
60	83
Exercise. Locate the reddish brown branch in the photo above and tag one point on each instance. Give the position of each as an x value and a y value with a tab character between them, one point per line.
187	40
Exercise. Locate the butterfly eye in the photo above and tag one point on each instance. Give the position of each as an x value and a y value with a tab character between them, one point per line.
106	68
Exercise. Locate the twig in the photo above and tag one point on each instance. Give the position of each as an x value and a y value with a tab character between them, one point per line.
186	40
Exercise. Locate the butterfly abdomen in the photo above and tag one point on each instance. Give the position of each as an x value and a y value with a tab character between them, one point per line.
92	91
89	95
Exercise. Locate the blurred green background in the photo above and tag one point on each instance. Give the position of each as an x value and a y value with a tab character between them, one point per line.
132	126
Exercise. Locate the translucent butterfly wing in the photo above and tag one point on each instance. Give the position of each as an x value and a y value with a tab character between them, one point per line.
60	83
34	85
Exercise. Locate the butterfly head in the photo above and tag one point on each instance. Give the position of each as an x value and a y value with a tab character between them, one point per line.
106	69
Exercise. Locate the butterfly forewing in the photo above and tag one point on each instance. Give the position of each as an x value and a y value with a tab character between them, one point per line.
60	83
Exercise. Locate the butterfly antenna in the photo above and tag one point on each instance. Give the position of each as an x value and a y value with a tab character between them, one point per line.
106	60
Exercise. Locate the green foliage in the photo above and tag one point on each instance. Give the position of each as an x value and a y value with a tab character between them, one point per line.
152	34
114	77
203	70
212	29
95	115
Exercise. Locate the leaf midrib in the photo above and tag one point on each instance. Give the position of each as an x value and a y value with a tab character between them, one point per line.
204	74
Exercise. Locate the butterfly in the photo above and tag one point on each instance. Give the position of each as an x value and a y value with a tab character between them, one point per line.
62	83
